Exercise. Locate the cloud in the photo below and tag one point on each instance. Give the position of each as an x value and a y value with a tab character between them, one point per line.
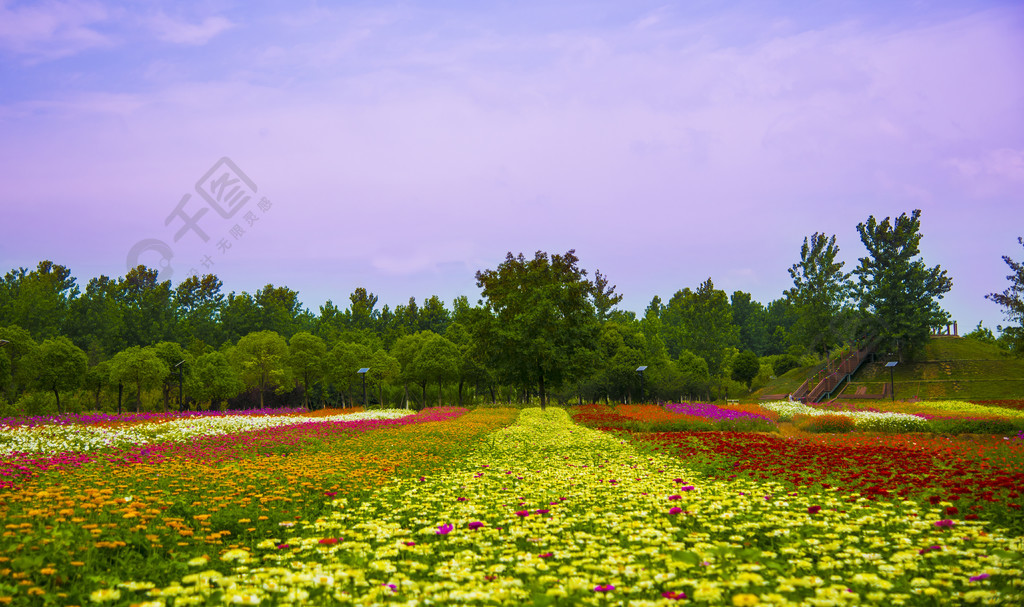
178	31
51	30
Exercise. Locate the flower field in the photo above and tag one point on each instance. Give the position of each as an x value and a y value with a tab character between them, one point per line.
501	506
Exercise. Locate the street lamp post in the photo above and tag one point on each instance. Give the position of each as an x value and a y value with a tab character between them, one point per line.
363	373
892	383
641	370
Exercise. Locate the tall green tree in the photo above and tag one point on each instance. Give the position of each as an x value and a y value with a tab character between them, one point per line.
147	307
341	364
198	303
707	325
434	316
361	313
97	318
437	362
1012	301
751	318
38	301
19	350
384	368
176	360
545	313
281	311
819	295
59	365
898	293
139	367
306	354
261	357
605	297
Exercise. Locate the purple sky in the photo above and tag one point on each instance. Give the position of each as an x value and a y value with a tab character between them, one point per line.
403	146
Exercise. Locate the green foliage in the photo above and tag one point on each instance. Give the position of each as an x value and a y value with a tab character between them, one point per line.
696	379
745	367
261	358
384	369
753	322
306	353
700	321
997	426
437	361
784	362
139	367
819	295
898	293
544	315
213	379
58	365
341	364
1012	302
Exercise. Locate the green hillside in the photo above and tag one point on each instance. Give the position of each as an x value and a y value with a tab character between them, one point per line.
949	368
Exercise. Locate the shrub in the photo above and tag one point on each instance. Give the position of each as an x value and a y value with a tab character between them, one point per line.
825	423
785	362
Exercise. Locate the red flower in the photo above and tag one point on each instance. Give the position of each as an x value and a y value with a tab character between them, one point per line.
952	510
329	541
814	509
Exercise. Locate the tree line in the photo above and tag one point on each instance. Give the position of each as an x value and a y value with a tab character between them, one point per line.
543	328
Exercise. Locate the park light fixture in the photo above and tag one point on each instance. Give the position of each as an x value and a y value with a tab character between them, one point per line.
892	384
641	370
363	373
3	342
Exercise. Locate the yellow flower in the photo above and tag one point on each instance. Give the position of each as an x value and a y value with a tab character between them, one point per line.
743	600
105	594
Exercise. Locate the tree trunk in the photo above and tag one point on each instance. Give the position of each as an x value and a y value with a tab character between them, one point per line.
57	394
138	397
424	384
494	397
167	395
120	391
406	396
543	398
460	392
438	393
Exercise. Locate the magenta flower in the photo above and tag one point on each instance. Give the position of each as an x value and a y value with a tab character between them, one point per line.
675	510
409	543
391	586
675	497
523	513
546	555
944	523
460	499
604	588
675	596
444	529
979	577
543	511
686	488
475	525
283	546
814	510
329	541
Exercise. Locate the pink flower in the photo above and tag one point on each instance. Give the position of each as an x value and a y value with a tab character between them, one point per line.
409	543
944	523
283	546
444	529
675	596
675	497
675	510
686	488
460	499
543	511
475	525
979	577
604	588
545	555
523	513
329	541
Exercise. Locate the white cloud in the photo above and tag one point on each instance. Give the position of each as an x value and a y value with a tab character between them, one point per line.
178	31
51	30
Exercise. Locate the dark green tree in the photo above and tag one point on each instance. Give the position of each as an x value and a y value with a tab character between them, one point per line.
434	316
38	301
341	364
819	295
745	367
97	318
437	362
751	317
898	293
1012	301
147	307
172	354
544	312
19	351
384	368
59	365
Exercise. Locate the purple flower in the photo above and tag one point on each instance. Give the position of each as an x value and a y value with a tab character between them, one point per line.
674	497
460	499
604	588
391	586
523	513
675	510
675	596
444	529
475	525
944	523
686	488
543	511
979	577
